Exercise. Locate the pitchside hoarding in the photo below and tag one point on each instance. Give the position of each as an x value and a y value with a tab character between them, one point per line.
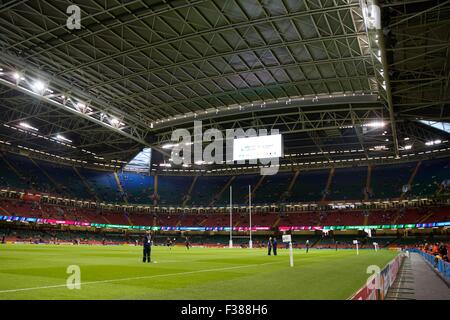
213	228
378	285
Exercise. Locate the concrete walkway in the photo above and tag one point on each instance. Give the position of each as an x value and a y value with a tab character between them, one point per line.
418	281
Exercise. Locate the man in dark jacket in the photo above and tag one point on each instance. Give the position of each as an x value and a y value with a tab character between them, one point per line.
147	243
274	246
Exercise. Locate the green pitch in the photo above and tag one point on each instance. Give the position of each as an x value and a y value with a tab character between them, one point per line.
39	272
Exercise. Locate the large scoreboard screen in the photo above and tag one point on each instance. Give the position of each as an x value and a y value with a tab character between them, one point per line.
260	147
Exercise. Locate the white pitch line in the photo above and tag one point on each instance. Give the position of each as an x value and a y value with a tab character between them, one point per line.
138	278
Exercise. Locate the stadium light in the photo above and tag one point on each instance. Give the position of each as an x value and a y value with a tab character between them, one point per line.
375	124
116	123
81	107
167	165
38	86
60	137
432	143
169	145
27	126
378	148
371	14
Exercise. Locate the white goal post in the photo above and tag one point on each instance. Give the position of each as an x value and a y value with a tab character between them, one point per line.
250	242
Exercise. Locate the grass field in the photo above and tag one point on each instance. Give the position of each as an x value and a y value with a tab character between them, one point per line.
39	272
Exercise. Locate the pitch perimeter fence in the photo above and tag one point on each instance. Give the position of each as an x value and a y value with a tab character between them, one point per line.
442	267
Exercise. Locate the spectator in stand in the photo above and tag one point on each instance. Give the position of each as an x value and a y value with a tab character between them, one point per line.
435	249
443	251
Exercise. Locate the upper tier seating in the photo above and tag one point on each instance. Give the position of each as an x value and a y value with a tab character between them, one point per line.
9	179
206	188
348	184
19	172
34	176
273	188
138	188
429	177
309	186
240	190
67	180
388	180
104	184
172	190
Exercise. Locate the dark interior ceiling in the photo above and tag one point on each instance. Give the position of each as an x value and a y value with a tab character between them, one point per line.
312	69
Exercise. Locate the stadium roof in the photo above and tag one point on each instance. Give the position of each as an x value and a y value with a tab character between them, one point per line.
315	69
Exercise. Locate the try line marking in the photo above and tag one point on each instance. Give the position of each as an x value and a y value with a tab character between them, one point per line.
138	278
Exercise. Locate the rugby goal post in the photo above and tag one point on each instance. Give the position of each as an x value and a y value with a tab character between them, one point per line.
250	242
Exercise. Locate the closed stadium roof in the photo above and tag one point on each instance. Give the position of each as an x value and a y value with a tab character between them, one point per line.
317	70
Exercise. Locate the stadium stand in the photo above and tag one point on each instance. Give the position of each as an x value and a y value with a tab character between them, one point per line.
347	184
61	175
138	187
273	188
103	183
9	177
388	180
429	177
265	219
206	189
173	189
310	186
240	190
34	177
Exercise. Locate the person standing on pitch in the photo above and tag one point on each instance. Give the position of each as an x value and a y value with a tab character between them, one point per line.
307	246
269	246
147	243
188	245
274	245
